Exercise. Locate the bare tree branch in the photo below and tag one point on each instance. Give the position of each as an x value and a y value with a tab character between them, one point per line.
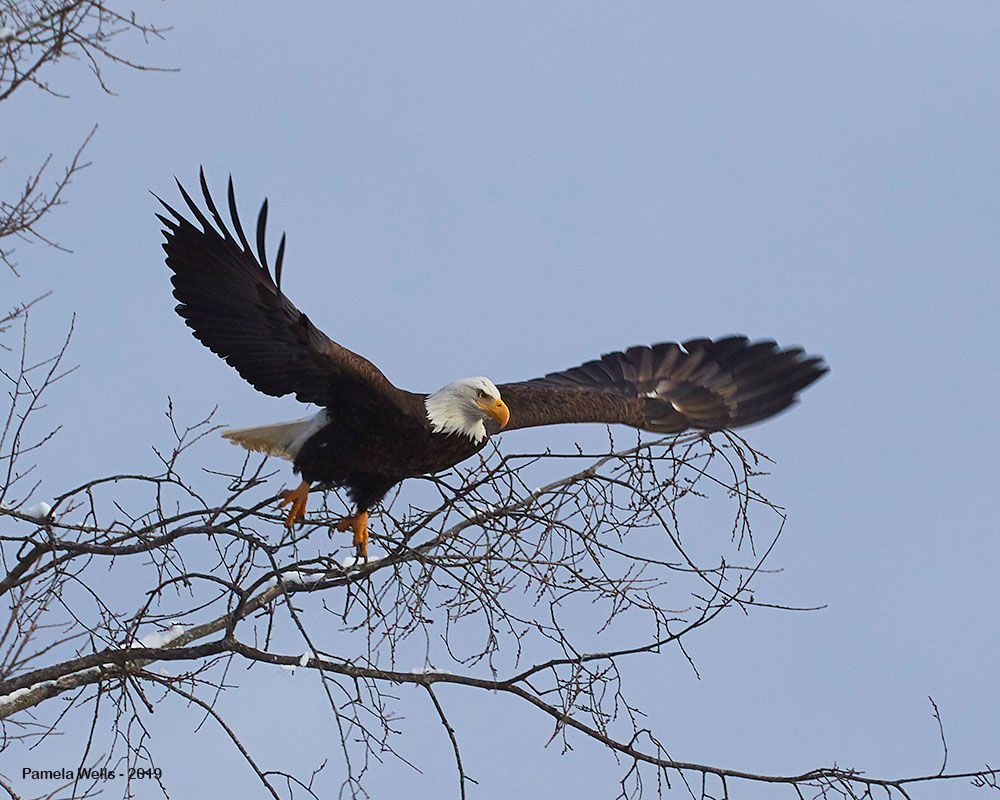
21	218
501	587
34	35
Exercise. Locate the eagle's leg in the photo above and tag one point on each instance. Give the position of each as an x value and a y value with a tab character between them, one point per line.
297	497
359	524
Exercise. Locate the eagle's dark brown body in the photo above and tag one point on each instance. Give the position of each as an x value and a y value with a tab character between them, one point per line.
376	434
362	451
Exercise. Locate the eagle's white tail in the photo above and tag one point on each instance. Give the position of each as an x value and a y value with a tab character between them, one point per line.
281	439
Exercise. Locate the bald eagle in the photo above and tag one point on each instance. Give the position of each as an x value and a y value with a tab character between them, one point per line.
369	435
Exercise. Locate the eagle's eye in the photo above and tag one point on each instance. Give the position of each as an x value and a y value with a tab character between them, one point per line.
482	395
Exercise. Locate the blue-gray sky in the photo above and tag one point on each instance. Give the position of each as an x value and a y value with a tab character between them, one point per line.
509	190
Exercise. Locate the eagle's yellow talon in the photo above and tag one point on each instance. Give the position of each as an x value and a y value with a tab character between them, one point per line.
359	524
297	497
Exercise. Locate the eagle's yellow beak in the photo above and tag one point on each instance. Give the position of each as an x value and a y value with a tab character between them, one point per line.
496	409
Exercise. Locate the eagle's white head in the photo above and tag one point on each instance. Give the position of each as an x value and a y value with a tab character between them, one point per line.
464	406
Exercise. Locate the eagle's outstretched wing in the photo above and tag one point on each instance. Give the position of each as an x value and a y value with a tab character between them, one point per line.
228	298
668	388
